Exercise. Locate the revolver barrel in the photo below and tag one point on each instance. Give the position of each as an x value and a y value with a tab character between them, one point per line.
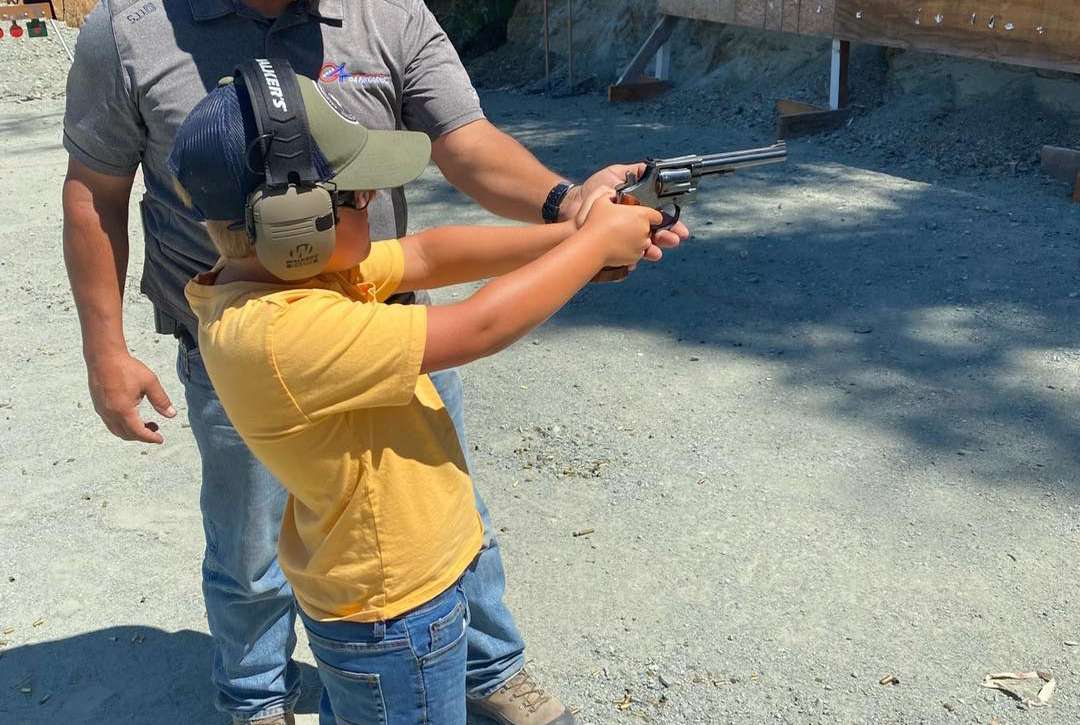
675	179
671	181
728	162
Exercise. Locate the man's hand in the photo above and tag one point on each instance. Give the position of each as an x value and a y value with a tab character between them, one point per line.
117	386
613	176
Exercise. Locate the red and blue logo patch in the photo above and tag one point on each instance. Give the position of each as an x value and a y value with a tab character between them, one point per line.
339	73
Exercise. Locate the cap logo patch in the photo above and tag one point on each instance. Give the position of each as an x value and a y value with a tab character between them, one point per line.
273	85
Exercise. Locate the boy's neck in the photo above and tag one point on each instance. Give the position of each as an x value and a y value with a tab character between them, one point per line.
247	269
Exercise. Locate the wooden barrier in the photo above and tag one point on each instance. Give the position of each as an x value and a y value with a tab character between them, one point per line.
25	18
812	17
1036	33
1039	33
23	11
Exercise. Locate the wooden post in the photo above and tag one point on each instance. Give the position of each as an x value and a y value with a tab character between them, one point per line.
547	49
663	61
799	119
633	84
659	36
845	56
570	21
838	74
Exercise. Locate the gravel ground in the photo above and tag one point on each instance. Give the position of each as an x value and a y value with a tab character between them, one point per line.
832	438
35	68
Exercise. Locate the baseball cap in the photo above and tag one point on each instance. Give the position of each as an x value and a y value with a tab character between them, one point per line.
216	153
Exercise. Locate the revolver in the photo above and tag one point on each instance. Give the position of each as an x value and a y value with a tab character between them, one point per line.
670	182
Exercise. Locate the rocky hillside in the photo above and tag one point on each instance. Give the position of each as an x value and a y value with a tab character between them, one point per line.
475	26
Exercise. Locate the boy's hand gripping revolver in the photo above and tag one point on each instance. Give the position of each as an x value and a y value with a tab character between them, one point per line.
674	181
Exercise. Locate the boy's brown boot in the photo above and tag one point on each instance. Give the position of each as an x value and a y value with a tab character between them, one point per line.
521	702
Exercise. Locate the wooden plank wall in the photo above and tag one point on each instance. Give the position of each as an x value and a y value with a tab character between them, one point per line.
1041	33
809	17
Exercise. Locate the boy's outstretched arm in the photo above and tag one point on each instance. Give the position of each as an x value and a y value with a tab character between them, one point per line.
510	306
450	255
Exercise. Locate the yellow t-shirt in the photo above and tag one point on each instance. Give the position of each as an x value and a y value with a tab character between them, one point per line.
323	383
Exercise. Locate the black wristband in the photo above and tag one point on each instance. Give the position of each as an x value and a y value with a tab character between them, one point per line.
550	210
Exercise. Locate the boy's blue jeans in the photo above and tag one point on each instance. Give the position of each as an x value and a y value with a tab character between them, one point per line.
404	671
249	604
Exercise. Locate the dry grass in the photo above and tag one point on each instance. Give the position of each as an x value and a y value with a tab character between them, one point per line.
73	12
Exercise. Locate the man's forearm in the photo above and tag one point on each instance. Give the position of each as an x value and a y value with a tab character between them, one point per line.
95	253
495	170
451	255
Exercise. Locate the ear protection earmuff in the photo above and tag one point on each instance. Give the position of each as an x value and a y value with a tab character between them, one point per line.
291	217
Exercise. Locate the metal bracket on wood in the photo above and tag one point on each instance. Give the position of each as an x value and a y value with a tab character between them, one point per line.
633	84
800	119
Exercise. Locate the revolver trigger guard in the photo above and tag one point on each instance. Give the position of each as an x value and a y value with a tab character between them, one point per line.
668	221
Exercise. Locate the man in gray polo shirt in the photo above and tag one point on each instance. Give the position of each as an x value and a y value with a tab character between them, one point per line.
140	66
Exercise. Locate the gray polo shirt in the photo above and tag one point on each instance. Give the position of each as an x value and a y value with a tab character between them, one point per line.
142	65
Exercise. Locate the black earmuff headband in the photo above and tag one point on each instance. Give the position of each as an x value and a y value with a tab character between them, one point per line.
284	138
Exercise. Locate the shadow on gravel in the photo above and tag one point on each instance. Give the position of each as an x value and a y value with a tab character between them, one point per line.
125	674
920	310
19	125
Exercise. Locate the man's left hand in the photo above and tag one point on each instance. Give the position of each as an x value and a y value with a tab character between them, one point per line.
614	176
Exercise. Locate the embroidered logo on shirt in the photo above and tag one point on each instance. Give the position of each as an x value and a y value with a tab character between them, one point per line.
338	73
140	13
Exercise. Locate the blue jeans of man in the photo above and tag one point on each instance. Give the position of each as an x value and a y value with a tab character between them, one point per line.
409	670
249	605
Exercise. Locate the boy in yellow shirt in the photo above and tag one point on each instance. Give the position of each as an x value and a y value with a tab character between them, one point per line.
328	385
